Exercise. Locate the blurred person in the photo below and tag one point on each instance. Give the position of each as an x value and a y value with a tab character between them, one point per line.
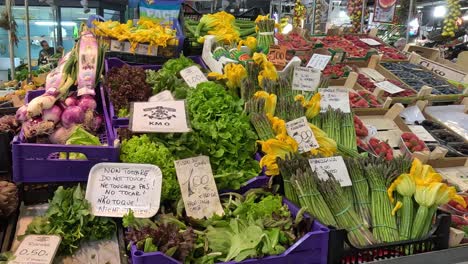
45	53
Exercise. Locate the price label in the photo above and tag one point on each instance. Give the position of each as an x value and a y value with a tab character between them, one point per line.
373	74
163	117
319	61
305	79
277	55
336	98
114	188
198	188
370	42
389	87
422	133
301	132
37	249
163	96
333	165
193	76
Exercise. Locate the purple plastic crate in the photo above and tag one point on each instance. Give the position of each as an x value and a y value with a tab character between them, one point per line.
41	163
111	63
312	248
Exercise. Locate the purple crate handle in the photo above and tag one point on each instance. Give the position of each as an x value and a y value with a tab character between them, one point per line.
111	63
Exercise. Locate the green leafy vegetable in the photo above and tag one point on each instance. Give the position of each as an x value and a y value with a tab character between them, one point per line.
80	137
69	216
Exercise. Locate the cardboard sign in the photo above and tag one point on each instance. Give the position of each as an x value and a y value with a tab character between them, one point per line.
198	187
277	55
370	42
301	132
319	61
422	133
37	249
336	98
163	96
389	87
442	70
114	188
163	117
193	76
305	79
335	166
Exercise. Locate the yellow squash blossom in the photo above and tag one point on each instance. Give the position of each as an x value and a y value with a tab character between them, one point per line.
327	147
278	124
427	195
397	207
260	18
235	73
277	147
312	106
404	185
250	42
288	140
447	194
270	101
269	162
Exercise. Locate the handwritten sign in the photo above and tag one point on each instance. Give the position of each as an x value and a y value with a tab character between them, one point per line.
336	98
198	188
114	188
37	249
277	55
163	96
335	166
319	61
163	117
301	132
373	74
305	79
370	42
422	133
389	87
193	76
442	70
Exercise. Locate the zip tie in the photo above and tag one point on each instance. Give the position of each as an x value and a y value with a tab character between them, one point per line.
360	180
379	226
266	33
310	194
355	228
344	211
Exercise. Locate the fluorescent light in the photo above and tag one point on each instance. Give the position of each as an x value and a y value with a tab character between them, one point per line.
439	11
463	8
414	23
82	18
50	23
465	17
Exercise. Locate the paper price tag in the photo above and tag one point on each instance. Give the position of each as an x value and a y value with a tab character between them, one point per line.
373	74
305	79
163	96
370	42
193	76
336	98
277	55
389	87
198	188
37	249
301	132
114	188
335	166
163	117
422	133
319	61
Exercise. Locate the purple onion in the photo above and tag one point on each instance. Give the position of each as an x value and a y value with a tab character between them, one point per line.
21	113
72	115
93	123
61	135
87	102
53	114
71	101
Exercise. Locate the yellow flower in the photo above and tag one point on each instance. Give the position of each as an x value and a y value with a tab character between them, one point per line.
317	131
234	73
260	17
270	101
447	194
216	76
288	140
250	42
278	124
404	185
416	167
277	147
397	207
327	147
269	162
313	106
426	195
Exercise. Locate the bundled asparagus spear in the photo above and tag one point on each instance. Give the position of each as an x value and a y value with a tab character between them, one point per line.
360	189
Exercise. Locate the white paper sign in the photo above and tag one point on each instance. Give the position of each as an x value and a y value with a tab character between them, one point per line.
336	98
319	61
114	188
162	117
37	249
335	166
373	74
299	130
389	87
198	187
443	70
370	42
193	76
163	96
305	79
422	133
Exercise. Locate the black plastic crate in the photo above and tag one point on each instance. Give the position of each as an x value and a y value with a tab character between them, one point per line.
5	145
342	252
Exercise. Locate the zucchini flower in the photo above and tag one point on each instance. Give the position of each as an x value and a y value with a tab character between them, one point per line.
250	42
278	124
426	196
416	167
235	73
269	162
404	185
397	207
288	140
312	106
260	18
278	148
270	101
327	147
447	194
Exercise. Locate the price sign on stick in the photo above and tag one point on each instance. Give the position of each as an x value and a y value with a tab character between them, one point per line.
336	98
319	61
37	249
198	188
193	76
389	87
277	55
305	79
301	132
333	165
161	116
114	188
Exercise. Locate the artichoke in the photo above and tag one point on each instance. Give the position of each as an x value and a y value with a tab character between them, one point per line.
8	198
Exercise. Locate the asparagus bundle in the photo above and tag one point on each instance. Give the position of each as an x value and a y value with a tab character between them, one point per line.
287	169
265	35
254	107
331	124
348	133
360	189
343	211
383	223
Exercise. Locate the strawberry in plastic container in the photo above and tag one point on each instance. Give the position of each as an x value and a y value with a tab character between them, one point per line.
413	143
361	129
381	148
